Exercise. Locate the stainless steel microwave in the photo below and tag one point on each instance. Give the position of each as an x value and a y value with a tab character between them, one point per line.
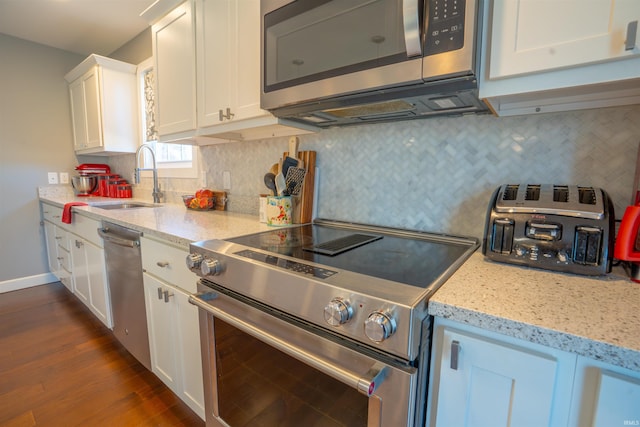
341	62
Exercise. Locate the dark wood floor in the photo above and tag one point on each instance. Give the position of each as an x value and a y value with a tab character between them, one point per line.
59	366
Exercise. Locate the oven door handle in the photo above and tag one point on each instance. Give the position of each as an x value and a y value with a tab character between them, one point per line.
366	384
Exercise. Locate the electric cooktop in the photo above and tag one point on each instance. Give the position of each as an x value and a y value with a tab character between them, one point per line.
408	257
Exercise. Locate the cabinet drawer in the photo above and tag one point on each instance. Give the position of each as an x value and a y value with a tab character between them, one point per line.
62	238
64	258
52	213
167	262
87	228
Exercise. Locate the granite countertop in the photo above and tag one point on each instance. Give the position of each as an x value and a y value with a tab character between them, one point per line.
171	222
595	317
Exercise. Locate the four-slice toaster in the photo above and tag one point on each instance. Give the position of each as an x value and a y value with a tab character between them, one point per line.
567	228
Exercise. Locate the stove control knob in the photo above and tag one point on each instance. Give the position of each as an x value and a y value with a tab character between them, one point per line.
379	326
338	312
194	261
210	267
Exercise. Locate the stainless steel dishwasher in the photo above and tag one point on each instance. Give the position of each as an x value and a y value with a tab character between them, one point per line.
124	275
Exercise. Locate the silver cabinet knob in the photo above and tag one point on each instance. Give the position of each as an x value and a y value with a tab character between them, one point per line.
210	267
338	312
194	260
379	326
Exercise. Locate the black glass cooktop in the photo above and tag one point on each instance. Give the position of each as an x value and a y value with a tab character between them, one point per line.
415	259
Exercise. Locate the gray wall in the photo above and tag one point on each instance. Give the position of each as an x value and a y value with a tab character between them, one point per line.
35	138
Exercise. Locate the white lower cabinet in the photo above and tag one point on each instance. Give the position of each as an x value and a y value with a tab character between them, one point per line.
76	258
605	395
89	278
58	256
481	378
174	331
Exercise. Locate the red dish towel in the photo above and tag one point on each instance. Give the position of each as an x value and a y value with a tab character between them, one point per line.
66	211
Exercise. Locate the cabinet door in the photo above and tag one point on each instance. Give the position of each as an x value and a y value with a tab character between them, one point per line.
173	40
92	103
532	35
483	382
78	114
52	247
215	26
188	335
100	301
605	395
160	319
247	101
80	272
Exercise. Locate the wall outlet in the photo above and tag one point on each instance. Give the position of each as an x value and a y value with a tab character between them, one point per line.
226	180
52	177
64	178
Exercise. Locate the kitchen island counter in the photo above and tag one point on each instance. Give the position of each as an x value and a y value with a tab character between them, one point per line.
596	317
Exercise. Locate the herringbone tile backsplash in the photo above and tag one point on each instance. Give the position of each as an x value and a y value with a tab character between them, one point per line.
439	174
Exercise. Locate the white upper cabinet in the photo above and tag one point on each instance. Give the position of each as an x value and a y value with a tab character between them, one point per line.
207	65
539	35
103	106
541	56
174	53
228	40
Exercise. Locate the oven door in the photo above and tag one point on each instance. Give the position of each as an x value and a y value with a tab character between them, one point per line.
262	370
318	49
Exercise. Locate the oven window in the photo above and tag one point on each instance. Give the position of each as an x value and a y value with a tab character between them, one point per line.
307	41
261	386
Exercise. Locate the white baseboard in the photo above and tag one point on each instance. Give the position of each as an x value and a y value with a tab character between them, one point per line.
27	282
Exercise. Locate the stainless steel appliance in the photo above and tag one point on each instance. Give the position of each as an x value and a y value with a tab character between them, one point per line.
337	62
556	227
320	324
124	275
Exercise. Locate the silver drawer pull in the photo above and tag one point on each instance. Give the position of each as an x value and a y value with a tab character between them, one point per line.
159	293
455	353
167	295
162	264
632	32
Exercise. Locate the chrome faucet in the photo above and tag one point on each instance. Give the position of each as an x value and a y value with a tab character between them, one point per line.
157	194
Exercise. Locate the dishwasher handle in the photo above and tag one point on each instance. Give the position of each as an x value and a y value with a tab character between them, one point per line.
104	233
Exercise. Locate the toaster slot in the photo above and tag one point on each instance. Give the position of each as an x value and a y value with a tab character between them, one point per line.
502	236
587	244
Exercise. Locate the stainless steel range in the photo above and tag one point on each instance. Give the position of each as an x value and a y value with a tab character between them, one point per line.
324	323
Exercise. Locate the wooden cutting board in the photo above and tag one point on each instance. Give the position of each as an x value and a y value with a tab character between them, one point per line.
303	204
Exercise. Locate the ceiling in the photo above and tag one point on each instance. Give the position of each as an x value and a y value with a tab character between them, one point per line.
79	26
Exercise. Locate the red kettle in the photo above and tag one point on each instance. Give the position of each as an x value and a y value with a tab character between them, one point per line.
628	241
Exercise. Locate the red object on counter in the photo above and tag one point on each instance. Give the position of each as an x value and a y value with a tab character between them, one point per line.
66	211
628	241
92	168
103	183
124	191
113	186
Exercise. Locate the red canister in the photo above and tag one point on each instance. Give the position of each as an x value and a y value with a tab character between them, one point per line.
124	191
103	183
113	186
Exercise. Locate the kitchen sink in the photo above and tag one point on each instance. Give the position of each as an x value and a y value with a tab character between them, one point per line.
124	205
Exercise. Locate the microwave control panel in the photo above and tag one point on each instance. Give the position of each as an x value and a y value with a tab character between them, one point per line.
444	26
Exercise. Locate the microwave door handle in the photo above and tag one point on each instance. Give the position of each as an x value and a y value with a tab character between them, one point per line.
411	22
